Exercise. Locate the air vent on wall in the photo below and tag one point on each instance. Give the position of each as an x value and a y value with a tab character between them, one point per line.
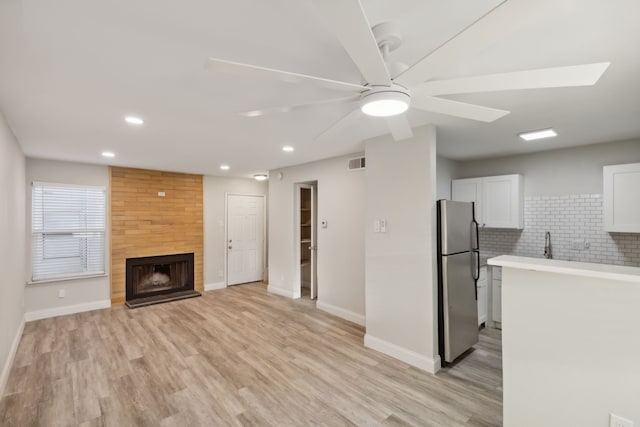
356	164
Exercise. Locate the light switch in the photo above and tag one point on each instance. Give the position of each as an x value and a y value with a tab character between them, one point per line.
161	194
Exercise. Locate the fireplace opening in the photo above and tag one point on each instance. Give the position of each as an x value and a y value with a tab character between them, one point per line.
152	280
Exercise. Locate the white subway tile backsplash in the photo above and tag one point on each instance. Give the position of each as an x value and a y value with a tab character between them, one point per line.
567	218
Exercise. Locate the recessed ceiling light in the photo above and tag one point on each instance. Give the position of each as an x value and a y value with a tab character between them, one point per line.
287	148
260	177
224	167
538	134
108	154
133	120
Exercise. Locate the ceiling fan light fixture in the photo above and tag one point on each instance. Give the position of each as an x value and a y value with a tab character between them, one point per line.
538	134
384	103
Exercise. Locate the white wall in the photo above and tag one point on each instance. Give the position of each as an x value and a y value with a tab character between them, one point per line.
570	349
215	189
575	170
12	248
445	172
341	201
401	280
41	300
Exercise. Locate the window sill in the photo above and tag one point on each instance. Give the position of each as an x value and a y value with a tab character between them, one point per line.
66	279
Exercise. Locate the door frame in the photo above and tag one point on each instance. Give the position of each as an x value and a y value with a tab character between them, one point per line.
297	293
226	232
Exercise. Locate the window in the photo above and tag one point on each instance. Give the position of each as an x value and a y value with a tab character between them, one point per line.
68	226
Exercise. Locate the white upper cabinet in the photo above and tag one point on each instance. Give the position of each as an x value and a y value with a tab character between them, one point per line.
622	198
503	201
468	190
499	199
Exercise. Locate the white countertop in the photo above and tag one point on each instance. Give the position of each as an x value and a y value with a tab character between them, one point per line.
603	271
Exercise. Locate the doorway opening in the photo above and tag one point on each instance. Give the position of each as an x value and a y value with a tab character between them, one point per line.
306	238
245	246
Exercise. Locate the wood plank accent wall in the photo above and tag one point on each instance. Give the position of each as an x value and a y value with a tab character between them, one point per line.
145	224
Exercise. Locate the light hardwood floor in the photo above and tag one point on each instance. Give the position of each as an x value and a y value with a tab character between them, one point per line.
237	356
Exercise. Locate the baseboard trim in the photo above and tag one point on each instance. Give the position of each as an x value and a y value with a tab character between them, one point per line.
6	369
69	309
214	286
408	356
341	312
283	292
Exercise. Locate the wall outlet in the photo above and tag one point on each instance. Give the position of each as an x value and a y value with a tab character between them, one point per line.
383	225
618	421
61	293
579	244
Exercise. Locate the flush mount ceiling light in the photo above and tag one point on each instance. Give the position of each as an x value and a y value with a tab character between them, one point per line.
224	167
538	134
133	120
385	101
108	154
287	149
260	177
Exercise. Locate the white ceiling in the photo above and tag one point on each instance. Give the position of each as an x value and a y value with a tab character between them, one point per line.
71	70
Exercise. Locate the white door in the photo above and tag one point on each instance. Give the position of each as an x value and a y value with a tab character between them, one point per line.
245	239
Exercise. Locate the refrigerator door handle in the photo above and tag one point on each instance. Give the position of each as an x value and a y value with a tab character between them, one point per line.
477	235
475	269
476	272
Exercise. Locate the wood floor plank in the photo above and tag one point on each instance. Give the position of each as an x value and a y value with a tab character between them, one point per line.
235	357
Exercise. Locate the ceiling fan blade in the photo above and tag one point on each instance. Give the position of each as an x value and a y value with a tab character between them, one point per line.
223	66
290	108
457	109
576	75
348	22
338	127
399	127
496	24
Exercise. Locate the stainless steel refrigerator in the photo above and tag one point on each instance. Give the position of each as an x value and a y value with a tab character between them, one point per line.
458	272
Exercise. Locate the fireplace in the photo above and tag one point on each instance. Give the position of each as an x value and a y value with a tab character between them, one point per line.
156	279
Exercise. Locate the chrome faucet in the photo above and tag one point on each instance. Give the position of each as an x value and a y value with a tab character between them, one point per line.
547	245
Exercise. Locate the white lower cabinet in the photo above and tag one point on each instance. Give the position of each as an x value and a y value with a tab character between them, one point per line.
482	296
497	294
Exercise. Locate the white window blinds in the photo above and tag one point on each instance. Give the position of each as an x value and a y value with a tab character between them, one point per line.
68	226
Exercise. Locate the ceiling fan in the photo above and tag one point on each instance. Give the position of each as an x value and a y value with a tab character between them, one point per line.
391	88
